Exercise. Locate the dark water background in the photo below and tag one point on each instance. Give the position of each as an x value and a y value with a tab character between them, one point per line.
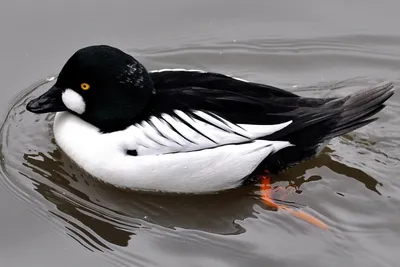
53	214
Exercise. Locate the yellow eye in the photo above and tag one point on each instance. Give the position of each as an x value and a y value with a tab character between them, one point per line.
85	86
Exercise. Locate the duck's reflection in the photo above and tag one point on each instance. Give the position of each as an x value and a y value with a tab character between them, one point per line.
73	203
114	215
326	160
103	213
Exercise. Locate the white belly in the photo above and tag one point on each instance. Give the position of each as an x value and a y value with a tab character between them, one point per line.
208	170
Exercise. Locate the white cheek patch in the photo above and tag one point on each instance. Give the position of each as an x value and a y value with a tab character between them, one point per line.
73	101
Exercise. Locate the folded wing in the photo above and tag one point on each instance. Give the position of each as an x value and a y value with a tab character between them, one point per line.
193	130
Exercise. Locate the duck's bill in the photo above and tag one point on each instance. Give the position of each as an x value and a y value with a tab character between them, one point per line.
48	102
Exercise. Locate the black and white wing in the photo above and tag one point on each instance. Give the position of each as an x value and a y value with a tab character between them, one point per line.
184	131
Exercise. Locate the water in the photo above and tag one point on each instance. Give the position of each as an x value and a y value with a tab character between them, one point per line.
54	214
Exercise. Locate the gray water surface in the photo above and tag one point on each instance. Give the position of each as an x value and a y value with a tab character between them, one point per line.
54	214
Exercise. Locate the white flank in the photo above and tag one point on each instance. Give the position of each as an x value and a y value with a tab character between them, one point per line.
73	101
213	156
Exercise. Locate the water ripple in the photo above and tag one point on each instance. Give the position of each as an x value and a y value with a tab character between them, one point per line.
351	186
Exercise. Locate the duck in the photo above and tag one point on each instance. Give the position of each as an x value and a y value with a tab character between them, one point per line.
189	131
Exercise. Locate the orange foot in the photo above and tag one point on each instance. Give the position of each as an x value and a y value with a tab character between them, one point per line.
268	200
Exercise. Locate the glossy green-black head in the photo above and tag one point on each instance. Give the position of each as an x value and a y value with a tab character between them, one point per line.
101	84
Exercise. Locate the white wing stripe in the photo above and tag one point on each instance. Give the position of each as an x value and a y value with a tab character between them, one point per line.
153	134
169	133
237	129
199	126
213	121
143	140
263	130
181	128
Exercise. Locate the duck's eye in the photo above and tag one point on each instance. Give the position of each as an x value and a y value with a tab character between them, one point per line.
85	86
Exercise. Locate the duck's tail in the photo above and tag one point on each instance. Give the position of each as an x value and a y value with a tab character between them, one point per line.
358	108
338	116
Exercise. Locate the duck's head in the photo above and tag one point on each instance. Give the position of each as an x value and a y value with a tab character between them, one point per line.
101	84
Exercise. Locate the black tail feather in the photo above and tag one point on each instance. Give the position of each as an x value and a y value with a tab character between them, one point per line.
359	107
336	117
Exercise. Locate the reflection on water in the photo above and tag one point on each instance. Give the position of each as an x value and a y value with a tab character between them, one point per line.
325	160
104	209
71	201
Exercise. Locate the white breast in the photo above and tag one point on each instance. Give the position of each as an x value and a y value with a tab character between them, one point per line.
168	160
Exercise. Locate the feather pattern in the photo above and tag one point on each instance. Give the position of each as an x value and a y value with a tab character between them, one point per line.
191	131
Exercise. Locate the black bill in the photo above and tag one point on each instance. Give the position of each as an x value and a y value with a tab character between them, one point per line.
48	102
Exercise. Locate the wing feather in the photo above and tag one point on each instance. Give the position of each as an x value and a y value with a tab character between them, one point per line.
184	131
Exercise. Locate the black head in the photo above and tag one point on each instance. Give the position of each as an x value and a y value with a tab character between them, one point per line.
101	84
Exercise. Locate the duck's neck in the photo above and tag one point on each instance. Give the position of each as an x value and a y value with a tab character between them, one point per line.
121	116
121	111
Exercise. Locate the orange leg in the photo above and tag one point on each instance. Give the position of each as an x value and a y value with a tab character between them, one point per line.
266	195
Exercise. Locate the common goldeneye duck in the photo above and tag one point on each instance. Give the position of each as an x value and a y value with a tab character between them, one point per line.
186	130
